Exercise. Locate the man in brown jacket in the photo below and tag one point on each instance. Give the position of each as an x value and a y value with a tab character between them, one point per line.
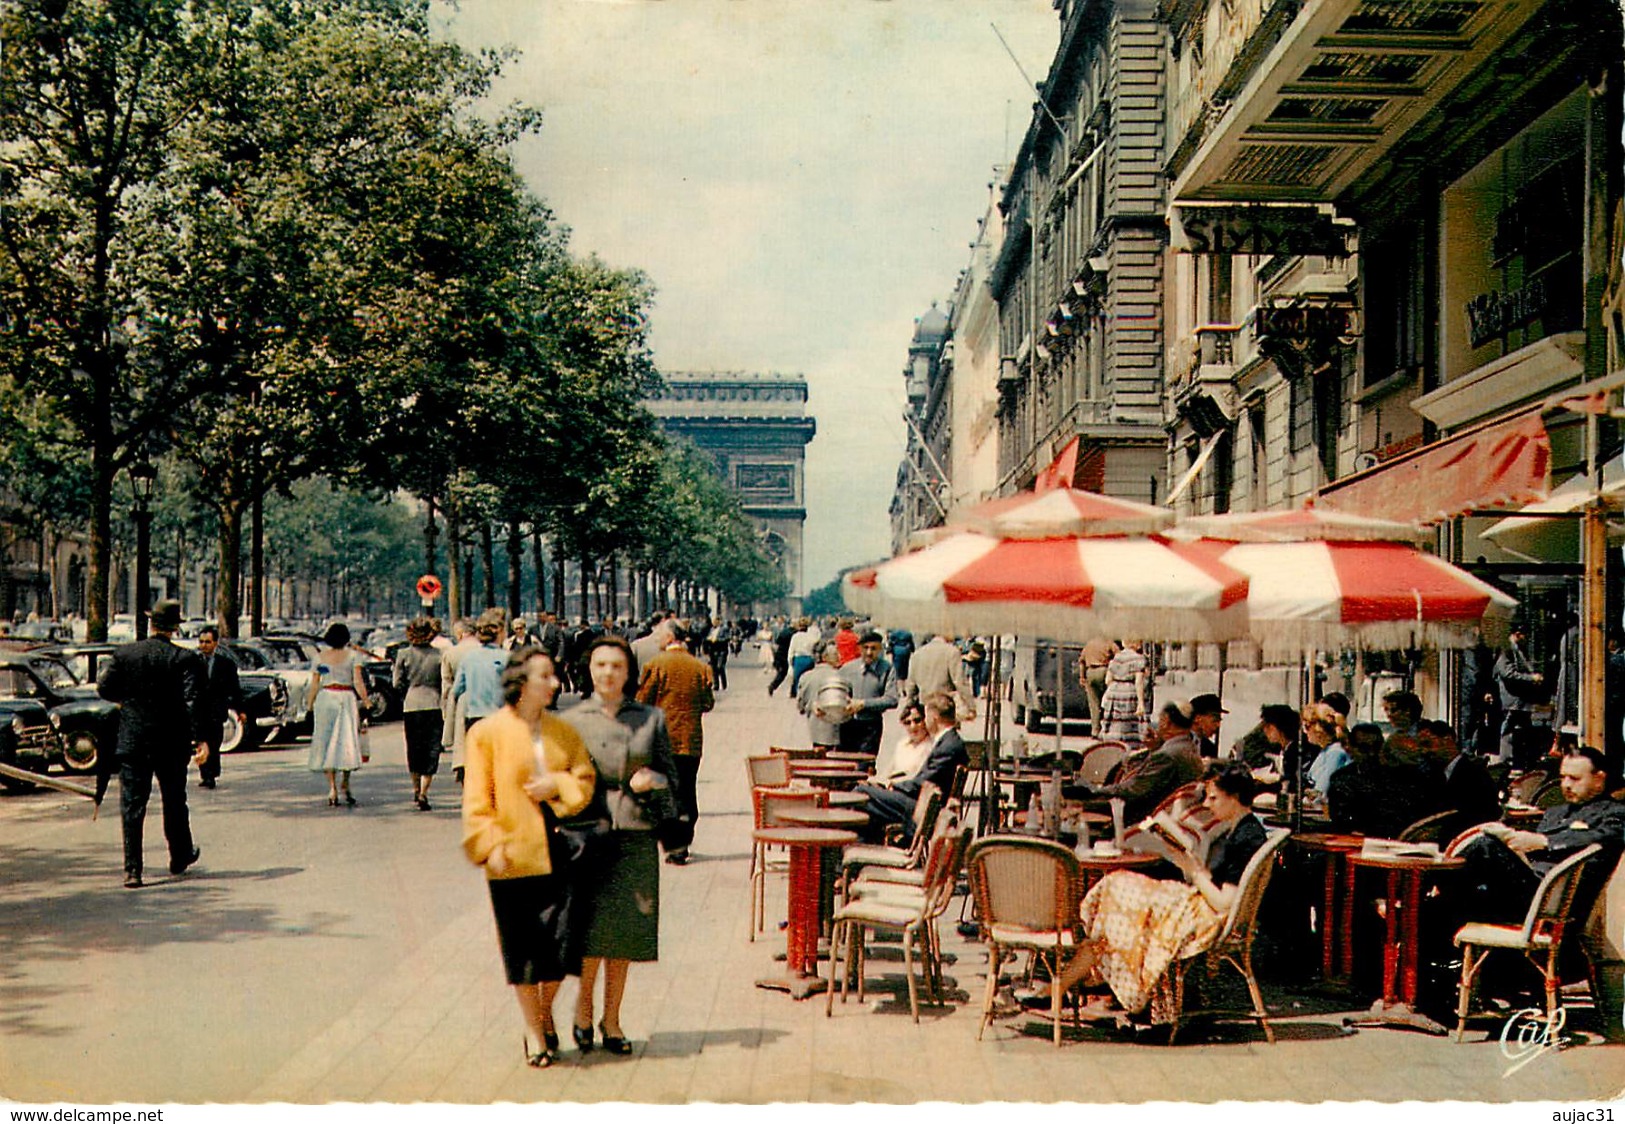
680	684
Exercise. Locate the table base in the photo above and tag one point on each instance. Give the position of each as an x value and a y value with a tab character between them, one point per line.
799	987
1402	1015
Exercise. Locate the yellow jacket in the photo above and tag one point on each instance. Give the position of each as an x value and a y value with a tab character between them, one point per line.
499	760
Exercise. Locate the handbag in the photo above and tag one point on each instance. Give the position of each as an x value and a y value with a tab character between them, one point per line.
659	807
580	841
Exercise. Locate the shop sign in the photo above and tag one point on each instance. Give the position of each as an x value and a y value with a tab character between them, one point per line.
1492	315
1297	231
1307	323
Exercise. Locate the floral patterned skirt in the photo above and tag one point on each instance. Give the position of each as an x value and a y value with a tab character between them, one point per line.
1144	925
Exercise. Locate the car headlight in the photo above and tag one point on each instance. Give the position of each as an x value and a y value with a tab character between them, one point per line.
18	726
56	720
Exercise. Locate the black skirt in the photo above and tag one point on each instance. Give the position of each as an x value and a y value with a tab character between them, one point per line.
533	927
422	728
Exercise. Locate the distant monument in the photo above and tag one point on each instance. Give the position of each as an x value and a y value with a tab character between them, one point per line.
755	427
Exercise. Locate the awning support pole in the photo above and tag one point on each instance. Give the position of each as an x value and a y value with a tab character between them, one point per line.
1594	602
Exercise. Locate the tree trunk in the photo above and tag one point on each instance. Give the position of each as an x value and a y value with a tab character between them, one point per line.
539	562
468	583
516	568
454	568
430	534
256	564
228	609
488	563
558	587
614	588
99	574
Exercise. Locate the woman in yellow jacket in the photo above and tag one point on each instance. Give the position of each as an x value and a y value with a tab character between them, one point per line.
516	761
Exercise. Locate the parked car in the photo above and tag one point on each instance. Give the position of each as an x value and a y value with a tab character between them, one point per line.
383	701
1032	684
264	697
288	658
50	632
48	717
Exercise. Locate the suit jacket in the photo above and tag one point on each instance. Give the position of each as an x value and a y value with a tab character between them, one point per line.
680	685
500	758
1573	827
221	691
634	739
1156	775
1467	787
160	689
940	666
946	755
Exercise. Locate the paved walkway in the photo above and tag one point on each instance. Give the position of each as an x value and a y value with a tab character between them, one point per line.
323	955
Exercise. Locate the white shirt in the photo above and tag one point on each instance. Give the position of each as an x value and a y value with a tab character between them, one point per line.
901	759
801	644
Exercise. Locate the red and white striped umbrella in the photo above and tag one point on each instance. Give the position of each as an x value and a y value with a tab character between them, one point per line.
1372	595
1058	588
1305	524
1058	512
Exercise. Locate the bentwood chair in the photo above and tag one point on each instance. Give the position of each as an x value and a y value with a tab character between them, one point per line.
859	855
1026	892
1234	943
771	771
913	912
1429	829
1539	938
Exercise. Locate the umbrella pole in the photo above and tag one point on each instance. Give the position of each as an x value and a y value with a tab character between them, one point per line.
1053	812
991	740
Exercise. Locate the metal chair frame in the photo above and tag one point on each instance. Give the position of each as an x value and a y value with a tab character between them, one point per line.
1539	938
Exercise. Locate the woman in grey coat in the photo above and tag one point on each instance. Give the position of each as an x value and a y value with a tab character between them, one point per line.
619	891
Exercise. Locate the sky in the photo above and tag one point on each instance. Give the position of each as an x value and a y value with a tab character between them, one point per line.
800	179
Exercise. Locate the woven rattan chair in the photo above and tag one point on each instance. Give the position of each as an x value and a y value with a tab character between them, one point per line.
1098	761
764	804
1429	829
771	771
913	912
1234	944
1026	893
859	855
1539	938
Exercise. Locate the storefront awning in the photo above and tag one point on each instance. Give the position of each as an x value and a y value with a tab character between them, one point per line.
1504	464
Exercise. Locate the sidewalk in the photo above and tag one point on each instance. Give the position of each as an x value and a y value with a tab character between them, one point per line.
322	956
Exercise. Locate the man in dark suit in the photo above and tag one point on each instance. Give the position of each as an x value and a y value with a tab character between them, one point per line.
162	726
894	804
221	696
1462	783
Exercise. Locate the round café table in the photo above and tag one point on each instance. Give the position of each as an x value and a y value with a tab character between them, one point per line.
1406	873
829	777
851	756
806	846
1336	938
849	819
1094	865
845	799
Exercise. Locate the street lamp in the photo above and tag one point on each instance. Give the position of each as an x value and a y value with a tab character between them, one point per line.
143	477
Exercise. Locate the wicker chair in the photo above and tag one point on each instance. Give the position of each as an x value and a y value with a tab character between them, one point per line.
1234	944
859	855
913	912
1539	938
771	771
1026	893
764	805
1429	829
1098	761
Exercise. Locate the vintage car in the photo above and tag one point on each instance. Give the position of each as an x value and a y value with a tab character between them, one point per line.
287	657
48	717
383	701
264	696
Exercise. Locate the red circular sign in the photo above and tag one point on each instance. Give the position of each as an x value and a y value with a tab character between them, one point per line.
429	586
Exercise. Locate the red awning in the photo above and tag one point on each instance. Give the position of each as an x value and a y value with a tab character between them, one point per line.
1061	470
1504	464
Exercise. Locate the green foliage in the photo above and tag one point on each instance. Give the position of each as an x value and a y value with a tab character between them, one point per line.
826	600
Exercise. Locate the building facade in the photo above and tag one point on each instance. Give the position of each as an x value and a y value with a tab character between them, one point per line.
756	429
1078	278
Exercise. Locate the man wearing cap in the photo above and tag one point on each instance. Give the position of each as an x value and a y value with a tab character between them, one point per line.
874	692
161	732
1206	714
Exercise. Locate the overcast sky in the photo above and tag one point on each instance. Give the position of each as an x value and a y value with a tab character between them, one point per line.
800	180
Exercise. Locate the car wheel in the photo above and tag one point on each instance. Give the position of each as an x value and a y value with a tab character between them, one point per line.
232	734
80	751
377	706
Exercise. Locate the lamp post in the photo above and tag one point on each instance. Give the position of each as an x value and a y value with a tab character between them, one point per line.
143	476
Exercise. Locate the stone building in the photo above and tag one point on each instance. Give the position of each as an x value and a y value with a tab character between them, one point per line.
920	497
756	429
1078	279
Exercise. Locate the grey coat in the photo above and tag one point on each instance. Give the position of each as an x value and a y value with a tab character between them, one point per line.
620	746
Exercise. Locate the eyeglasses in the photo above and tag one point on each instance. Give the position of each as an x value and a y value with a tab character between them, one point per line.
914	722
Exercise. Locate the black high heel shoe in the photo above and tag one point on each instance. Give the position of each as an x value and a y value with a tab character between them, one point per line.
539	1059
349	801
583	1037
614	1045
550	1039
